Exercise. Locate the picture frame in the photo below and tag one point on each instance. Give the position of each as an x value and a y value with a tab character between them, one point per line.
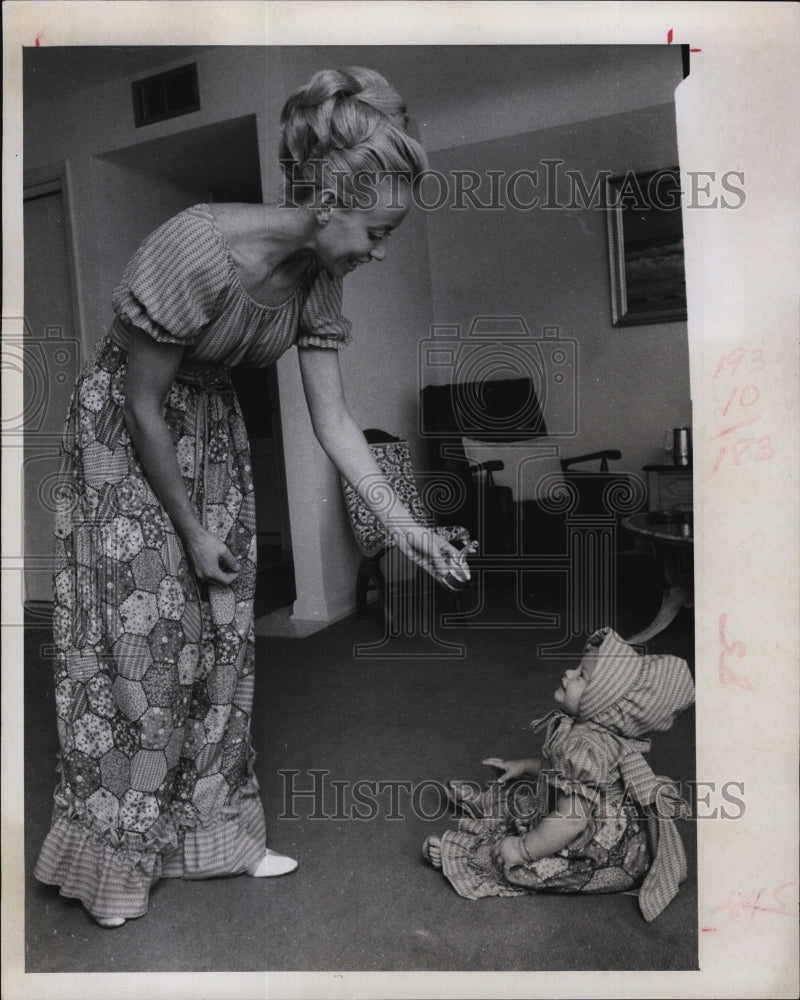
645	244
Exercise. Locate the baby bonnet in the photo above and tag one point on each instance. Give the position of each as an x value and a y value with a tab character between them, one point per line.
632	694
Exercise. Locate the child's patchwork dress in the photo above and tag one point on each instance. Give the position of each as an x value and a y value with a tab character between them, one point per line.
610	855
154	670
631	840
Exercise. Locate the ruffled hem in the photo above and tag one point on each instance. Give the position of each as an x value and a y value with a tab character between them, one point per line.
114	880
230	846
109	881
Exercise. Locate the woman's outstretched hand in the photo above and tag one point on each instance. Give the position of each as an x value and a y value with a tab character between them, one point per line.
211	559
426	548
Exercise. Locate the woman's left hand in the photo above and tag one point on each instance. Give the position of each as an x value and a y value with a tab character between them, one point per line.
426	548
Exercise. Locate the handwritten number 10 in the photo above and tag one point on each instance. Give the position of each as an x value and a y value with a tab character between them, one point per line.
748	395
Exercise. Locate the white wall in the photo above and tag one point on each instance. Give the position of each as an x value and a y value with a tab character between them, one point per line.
551	267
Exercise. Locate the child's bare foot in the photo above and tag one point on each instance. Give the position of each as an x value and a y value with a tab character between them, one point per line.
432	851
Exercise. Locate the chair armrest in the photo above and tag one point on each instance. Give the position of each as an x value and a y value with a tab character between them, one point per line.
601	456
493	465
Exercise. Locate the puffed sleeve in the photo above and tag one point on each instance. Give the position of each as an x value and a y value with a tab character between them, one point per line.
585	759
322	323
174	280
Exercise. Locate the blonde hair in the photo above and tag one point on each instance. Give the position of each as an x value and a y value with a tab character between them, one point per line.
341	124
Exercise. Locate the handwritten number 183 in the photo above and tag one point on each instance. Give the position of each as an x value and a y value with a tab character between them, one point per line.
750	449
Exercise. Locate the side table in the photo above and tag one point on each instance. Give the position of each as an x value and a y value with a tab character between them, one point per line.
669	486
673	550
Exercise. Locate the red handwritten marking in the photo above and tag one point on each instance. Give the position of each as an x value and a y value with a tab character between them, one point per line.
726	673
735	357
751	903
705	930
749	395
669	41
730	430
764	450
742	397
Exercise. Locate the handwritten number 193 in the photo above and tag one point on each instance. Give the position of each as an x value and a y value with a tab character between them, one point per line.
734	359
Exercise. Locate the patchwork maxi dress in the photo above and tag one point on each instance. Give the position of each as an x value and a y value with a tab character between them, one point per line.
154	670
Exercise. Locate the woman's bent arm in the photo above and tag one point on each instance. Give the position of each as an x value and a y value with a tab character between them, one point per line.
347	448
152	367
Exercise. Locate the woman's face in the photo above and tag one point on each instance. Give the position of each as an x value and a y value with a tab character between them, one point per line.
358	235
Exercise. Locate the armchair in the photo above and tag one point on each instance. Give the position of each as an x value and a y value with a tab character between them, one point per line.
530	510
520	497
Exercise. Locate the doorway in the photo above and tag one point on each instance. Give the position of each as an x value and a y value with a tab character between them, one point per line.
50	354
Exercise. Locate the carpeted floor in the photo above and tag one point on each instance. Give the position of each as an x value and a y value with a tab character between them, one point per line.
362	898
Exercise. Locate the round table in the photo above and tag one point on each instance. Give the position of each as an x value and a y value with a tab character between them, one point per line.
672	540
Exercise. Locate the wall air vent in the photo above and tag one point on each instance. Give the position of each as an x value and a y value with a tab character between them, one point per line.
165	95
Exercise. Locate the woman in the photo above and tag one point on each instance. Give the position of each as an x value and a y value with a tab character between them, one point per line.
155	534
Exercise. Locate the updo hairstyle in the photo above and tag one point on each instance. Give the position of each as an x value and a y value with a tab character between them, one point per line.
344	123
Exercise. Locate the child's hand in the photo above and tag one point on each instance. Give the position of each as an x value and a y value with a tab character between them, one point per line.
508	854
511	768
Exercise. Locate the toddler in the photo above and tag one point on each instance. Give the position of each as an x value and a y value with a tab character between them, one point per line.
597	819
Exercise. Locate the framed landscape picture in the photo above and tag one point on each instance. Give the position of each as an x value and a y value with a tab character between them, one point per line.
645	242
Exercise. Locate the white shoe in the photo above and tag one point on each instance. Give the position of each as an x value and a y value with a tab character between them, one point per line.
109	922
271	865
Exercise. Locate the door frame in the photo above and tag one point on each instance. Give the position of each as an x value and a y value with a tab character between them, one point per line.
47	180
42	182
